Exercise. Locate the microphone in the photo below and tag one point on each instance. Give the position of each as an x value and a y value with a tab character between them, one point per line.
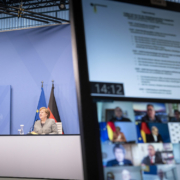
30	130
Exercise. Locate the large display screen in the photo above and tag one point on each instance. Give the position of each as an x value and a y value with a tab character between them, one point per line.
133	57
37	75
132	50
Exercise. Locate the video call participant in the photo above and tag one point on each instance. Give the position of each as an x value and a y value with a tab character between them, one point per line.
126	175
176	116
119	136
110	176
150	115
45	125
118	116
119	160
154	136
153	157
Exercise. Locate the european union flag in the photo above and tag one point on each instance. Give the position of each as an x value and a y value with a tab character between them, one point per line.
150	170
138	128
103	131
42	103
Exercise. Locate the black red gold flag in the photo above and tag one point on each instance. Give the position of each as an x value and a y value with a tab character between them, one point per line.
54	113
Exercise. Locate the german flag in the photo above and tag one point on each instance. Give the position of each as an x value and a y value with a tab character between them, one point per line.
144	131
54	113
111	129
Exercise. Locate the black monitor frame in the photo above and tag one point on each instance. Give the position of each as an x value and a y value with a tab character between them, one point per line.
89	128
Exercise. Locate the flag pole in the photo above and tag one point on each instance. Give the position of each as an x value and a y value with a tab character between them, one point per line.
53	84
42	83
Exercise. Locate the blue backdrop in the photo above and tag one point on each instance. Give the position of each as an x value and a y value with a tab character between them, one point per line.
34	55
163	131
5	108
129	130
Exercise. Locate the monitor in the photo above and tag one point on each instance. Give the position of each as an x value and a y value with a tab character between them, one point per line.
126	62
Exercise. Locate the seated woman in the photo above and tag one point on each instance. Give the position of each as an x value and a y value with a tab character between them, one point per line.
119	136
45	125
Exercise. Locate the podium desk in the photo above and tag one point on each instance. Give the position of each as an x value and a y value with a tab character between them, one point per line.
41	156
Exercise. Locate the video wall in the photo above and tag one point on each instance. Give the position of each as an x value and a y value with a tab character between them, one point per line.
133	52
139	140
29	57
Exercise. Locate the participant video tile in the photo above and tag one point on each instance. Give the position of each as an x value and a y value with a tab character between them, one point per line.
152	132
122	173
119	132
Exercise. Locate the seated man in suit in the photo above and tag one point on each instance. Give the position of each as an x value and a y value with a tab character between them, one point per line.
154	136
119	160
152	158
118	116
150	115
176	116
119	136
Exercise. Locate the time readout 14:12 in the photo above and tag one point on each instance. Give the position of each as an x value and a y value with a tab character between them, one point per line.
107	88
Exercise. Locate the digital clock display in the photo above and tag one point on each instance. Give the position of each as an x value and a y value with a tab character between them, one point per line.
107	88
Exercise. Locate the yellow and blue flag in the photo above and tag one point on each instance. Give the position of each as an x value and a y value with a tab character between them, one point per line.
138	130
42	103
150	170
103	131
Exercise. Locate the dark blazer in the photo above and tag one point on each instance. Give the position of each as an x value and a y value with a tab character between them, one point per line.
150	138
114	119
173	119
147	119
158	160
114	162
49	127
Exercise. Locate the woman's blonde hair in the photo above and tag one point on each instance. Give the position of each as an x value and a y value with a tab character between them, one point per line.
47	111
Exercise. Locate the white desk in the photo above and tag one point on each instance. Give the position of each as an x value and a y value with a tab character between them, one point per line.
41	156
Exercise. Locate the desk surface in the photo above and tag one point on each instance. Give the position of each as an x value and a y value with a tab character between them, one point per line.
41	156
